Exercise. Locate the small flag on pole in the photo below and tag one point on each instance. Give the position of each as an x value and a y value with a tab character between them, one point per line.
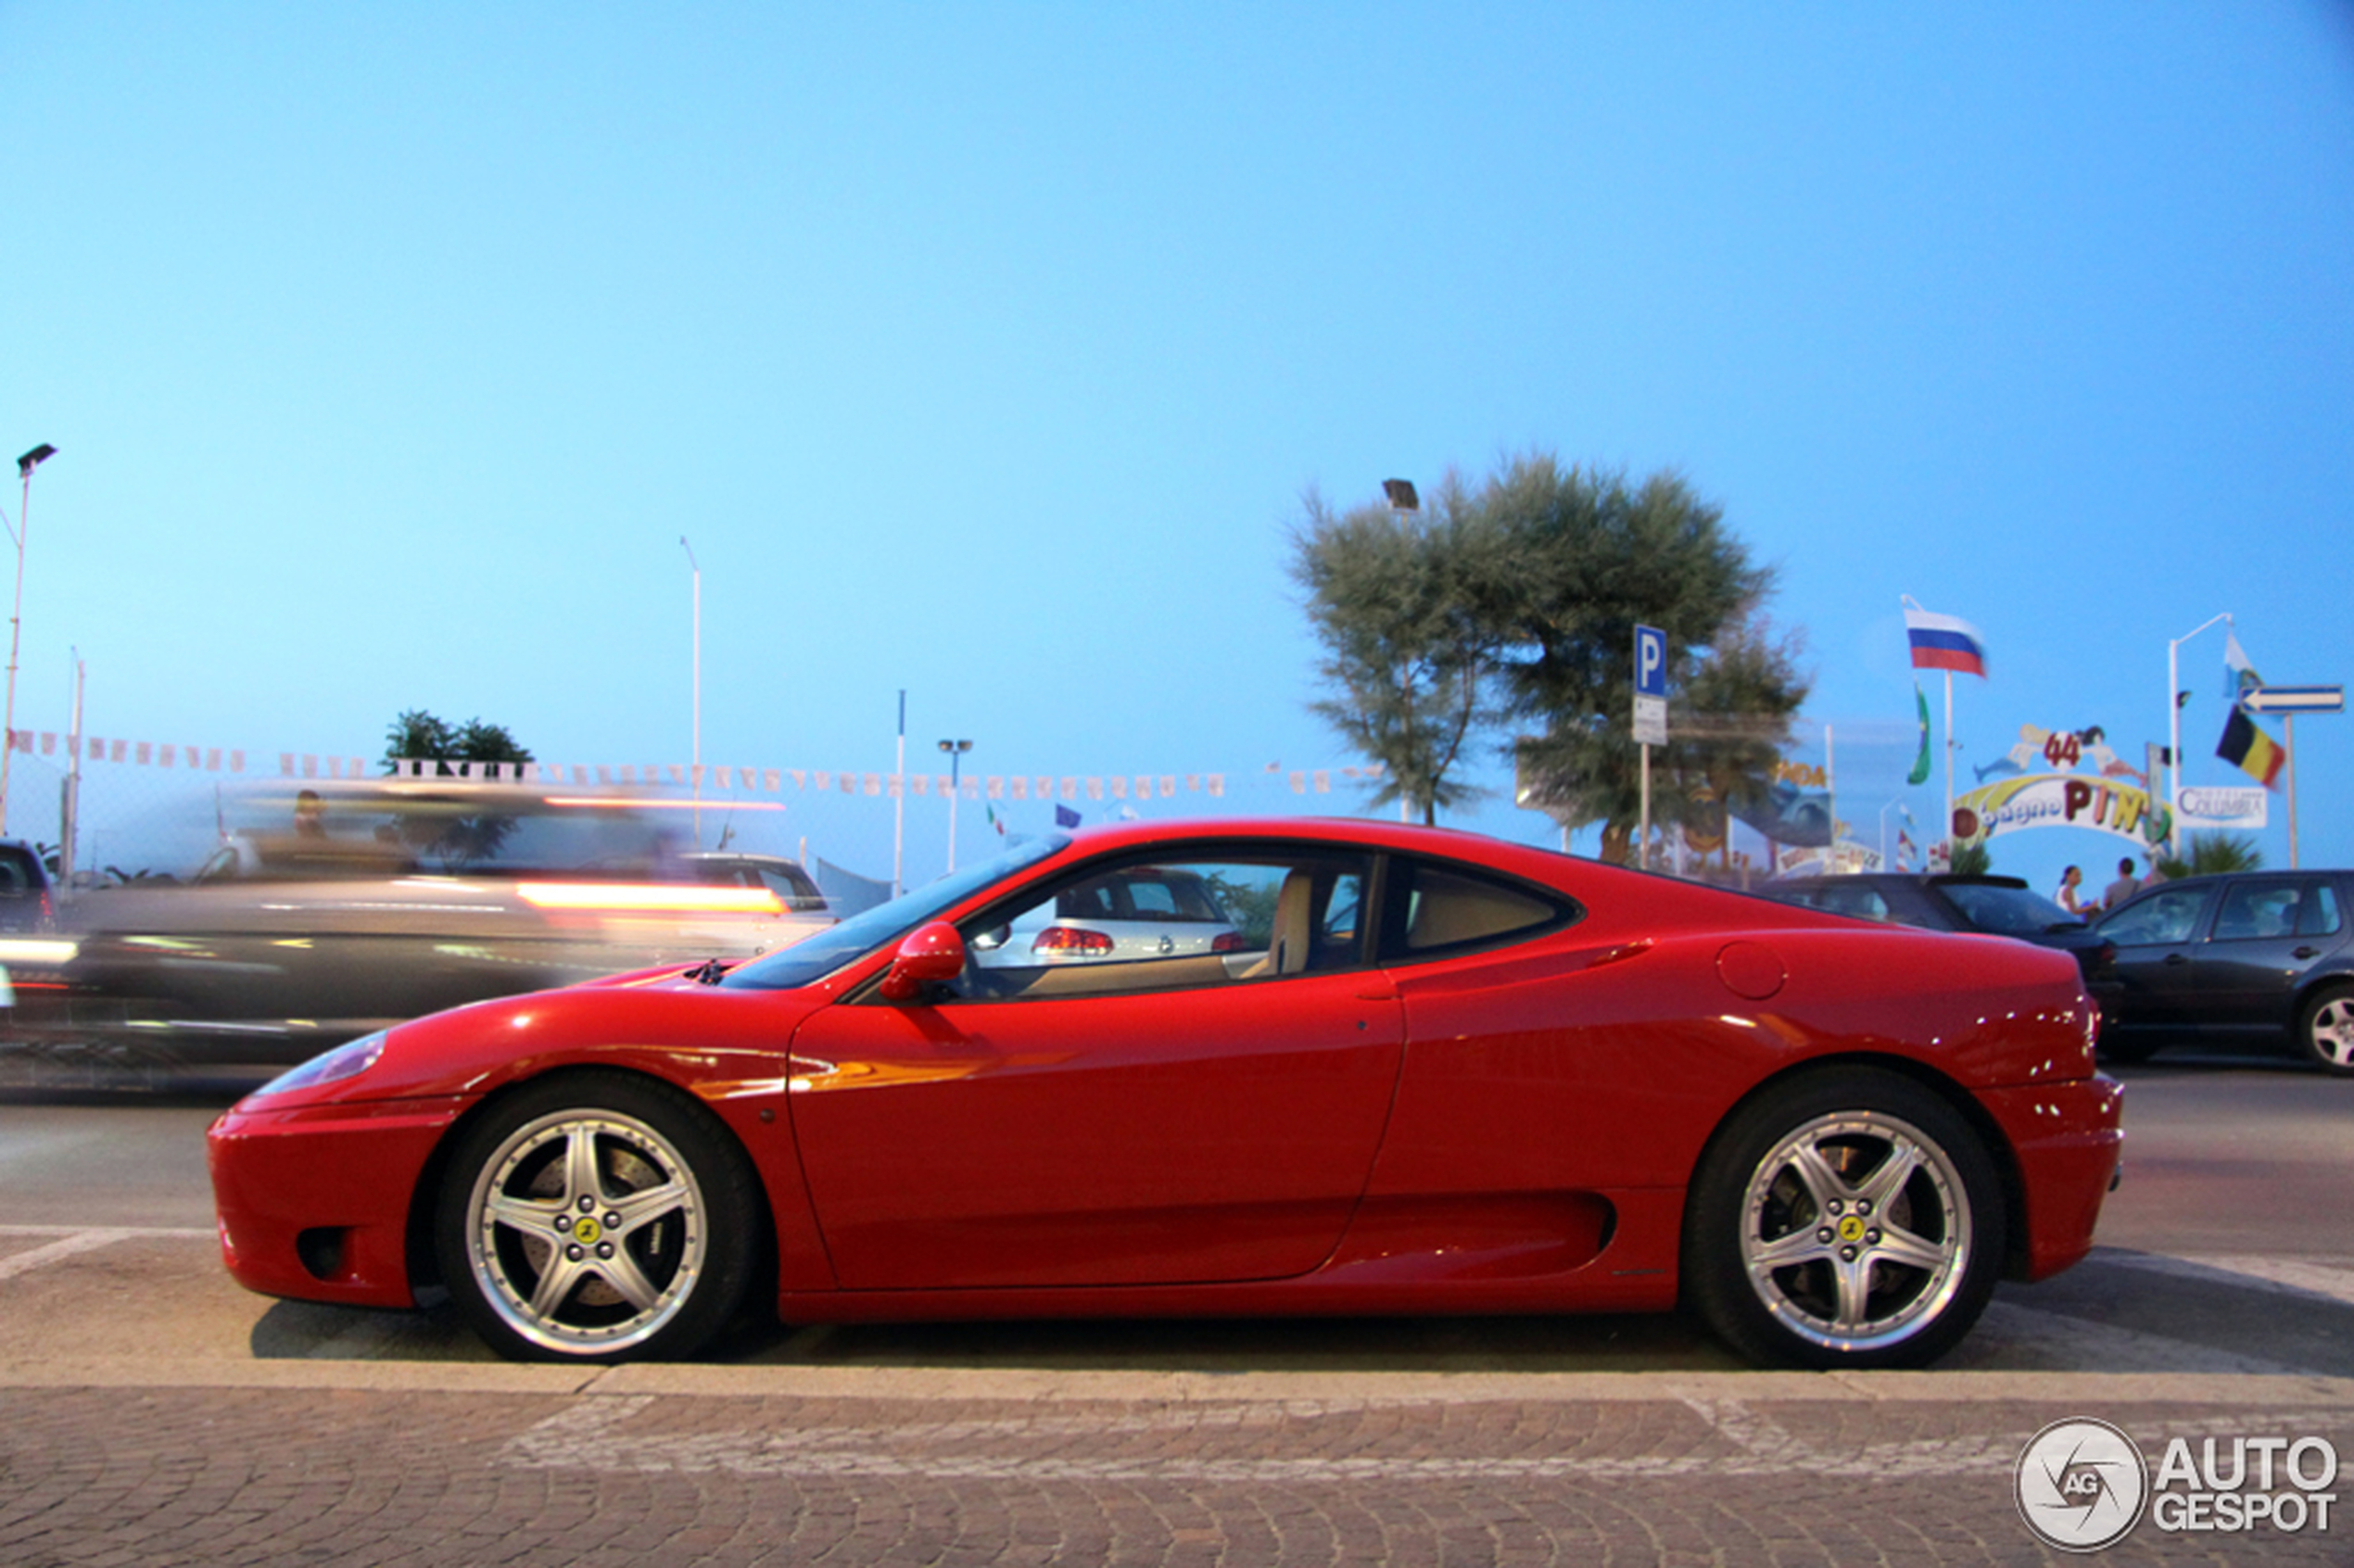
1945	642
2250	749
1920	764
2238	674
1066	817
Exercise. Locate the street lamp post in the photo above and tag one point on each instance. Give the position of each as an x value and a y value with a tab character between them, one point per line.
696	567
2175	695
25	465
956	750
1402	499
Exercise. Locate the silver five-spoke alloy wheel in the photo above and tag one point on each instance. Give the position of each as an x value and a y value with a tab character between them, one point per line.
598	1216
585	1230
1846	1216
1855	1229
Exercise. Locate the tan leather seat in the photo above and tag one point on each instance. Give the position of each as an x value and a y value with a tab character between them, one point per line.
1287	950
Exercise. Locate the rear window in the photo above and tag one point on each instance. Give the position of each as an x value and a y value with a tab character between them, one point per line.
2011	911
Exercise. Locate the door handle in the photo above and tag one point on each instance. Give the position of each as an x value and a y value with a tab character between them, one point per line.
2306	953
2178	958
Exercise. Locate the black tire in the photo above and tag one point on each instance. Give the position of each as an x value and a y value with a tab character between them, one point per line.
650	1265
1793	1213
2325	1030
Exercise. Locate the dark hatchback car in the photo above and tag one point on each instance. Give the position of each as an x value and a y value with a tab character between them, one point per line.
2256	960
1948	902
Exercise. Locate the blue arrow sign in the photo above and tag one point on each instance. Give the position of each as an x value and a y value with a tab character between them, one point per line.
2294	699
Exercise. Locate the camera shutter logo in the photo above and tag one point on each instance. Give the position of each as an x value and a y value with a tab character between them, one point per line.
2081	1485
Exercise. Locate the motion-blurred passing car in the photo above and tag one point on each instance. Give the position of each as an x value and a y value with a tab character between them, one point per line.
2261	959
330	910
1438	1074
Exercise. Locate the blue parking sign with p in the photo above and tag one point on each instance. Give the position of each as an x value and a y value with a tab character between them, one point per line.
1651	661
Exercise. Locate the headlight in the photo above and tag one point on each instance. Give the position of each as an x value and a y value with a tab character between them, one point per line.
348	1060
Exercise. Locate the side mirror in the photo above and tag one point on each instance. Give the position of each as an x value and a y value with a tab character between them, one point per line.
930	954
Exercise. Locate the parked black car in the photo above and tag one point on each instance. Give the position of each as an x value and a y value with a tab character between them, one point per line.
1947	901
2259	958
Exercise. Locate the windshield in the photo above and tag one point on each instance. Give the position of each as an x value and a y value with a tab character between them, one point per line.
814	957
2008	911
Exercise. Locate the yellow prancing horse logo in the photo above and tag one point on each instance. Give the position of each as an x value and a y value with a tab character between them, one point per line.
1850	1229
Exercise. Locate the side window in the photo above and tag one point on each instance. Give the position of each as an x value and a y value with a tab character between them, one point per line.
2252	911
1170	924
2160	918
2319	916
1435	909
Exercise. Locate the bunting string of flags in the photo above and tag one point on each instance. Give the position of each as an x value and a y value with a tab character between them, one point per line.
726	778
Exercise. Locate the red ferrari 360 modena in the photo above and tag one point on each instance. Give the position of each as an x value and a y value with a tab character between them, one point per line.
1412	1071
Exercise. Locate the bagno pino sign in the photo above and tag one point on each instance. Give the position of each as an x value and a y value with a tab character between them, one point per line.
2059	799
2084	784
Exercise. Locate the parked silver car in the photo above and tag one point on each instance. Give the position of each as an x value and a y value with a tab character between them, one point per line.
1136	912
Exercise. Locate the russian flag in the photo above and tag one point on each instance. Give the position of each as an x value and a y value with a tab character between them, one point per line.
1945	642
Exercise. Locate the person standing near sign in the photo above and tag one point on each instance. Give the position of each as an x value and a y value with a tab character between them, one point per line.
2123	888
2070	879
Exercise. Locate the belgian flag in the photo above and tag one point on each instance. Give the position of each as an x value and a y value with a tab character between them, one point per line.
2249	749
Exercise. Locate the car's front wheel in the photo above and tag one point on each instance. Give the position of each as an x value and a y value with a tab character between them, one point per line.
598	1217
1849	1218
2325	1029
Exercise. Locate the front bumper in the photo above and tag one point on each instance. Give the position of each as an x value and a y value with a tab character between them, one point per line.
314	1199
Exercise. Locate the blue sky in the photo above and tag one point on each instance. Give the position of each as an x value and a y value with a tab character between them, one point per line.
985	351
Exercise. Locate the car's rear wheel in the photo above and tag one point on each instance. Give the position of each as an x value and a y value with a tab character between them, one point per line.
1850	1218
598	1217
2325	1029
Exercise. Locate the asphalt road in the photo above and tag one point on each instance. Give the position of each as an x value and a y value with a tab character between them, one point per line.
150	1409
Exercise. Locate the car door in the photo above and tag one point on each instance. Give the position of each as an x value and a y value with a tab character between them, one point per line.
2268	934
1157	1120
2148	984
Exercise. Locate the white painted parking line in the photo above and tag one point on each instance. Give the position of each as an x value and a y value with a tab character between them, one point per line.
74	1239
2066	1342
2295	1275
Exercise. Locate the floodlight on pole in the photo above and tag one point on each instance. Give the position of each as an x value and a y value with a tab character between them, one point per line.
25	465
956	750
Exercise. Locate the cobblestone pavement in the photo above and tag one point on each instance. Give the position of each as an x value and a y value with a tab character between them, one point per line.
662	1467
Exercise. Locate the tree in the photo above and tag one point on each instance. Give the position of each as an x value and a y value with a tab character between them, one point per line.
1731	723
1591	556
2215	853
453	842
1395	599
417	735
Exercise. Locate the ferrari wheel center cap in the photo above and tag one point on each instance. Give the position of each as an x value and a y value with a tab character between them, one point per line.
586	1230
1851	1230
